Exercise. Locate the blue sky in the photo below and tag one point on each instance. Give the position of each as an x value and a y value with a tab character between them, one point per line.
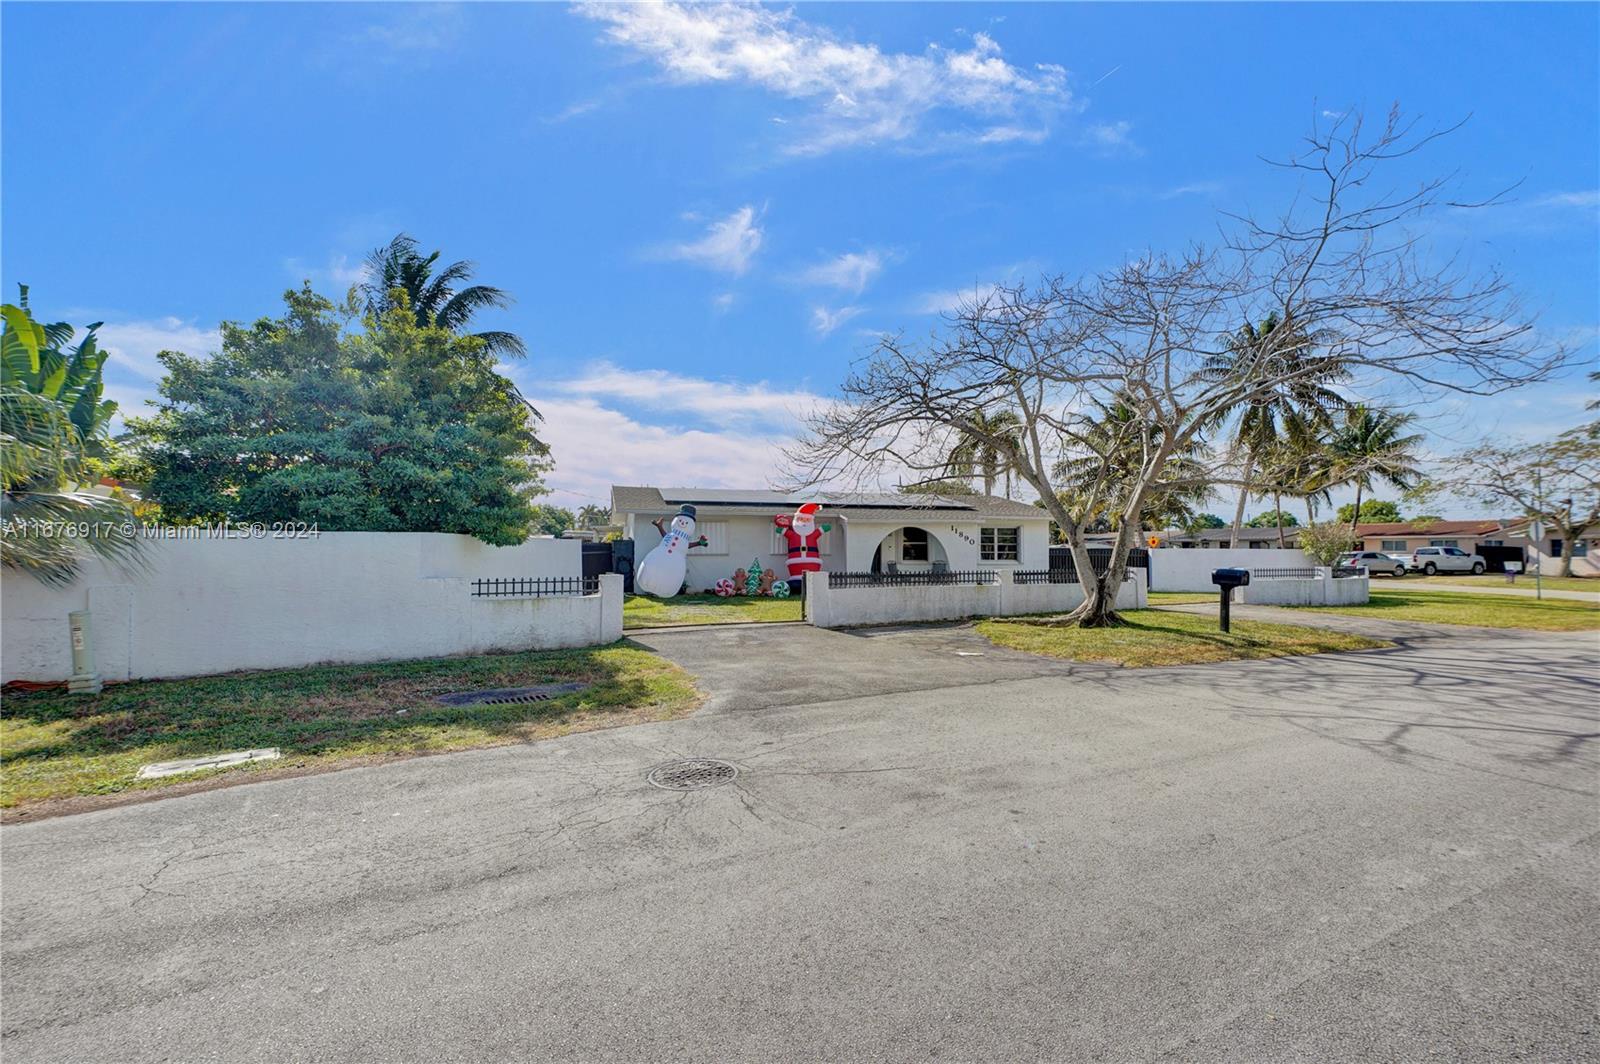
705	213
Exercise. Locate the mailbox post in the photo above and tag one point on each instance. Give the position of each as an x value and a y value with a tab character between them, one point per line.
1226	580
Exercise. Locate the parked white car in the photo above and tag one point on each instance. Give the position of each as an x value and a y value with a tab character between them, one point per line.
1432	560
1374	562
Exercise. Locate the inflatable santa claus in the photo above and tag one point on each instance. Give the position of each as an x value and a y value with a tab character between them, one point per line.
804	538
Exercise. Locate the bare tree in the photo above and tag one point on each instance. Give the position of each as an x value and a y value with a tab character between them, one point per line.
1153	333
1557	481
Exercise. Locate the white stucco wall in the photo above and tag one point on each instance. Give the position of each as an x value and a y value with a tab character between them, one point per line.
955	542
1189	569
1320	591
828	607
210	605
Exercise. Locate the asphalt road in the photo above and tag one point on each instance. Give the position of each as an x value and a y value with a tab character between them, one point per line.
935	849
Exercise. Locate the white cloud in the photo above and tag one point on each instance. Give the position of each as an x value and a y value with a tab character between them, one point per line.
663	390
133	345
595	447
337	276
1587	200
728	246
416	28
950	300
824	321
722	302
852	271
1110	136
1198	188
855	93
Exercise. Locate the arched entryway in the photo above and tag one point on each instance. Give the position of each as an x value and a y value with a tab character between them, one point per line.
910	549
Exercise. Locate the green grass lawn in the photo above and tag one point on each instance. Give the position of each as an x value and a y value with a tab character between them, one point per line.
1156	637
1498	580
1406	603
641	611
61	750
1177	598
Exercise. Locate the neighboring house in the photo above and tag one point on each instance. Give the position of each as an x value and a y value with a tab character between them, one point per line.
869	532
1547	552
1403	537
1249	538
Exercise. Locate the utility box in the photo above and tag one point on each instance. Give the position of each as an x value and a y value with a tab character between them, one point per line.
84	679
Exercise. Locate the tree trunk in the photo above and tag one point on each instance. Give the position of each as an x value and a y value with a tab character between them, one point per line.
1244	497
1277	510
1311	512
1355	515
1566	548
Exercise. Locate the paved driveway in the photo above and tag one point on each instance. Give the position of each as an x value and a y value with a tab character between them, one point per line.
1382	856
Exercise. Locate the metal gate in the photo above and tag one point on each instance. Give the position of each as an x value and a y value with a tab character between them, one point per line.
613	557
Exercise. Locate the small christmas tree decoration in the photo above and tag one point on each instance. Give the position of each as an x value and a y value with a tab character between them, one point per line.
752	579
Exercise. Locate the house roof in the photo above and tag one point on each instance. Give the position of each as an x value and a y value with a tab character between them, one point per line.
1481	527
858	506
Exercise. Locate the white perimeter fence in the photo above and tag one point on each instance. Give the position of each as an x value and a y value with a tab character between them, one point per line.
842	600
1189	568
210	605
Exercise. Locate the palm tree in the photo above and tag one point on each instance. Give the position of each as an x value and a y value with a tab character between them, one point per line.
1298	408
1114	442
55	428
980	452
433	296
592	516
1373	445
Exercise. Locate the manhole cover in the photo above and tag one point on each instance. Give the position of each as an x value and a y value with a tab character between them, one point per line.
693	774
503	695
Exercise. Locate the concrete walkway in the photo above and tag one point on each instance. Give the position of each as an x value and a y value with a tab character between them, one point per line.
933	848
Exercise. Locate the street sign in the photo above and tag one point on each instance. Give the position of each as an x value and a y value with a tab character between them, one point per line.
1536	531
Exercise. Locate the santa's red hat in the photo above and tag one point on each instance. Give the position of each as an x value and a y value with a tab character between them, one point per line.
809	508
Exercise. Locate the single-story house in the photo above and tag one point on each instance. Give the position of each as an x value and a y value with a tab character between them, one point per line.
1546	553
1403	537
868	532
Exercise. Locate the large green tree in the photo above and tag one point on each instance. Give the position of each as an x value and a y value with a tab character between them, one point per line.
1373	511
53	440
401	426
435	294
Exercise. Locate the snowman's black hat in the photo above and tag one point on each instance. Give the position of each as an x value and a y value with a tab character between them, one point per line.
686	511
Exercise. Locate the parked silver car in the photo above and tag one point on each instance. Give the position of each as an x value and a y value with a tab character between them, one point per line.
1374	562
1432	560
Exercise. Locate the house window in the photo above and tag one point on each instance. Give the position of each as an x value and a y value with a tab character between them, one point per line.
998	544
913	544
1444	543
1492	542
716	533
1580	548
1393	544
1555	547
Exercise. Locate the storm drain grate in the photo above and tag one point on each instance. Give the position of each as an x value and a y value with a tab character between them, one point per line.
506	695
692	774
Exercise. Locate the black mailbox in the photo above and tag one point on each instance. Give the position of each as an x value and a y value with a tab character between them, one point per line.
1230	577
1226	580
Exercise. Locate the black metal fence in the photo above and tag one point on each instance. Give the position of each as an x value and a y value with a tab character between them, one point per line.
1304	573
929	578
1053	576
536	587
1099	557
1286	573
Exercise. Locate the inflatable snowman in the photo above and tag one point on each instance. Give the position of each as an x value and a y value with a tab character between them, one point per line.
664	569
